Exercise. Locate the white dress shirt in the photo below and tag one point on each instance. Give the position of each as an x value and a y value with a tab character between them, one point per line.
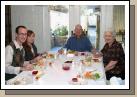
8	59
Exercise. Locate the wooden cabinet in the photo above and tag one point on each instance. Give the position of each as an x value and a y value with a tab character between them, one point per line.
8	33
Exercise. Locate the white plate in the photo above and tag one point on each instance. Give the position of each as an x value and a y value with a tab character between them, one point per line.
90	69
70	55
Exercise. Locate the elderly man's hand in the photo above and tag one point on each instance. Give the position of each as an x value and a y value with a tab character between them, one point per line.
61	51
96	54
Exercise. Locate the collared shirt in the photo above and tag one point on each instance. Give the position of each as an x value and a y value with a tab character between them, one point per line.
79	44
9	57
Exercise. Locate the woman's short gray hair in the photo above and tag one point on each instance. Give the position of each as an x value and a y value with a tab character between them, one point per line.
112	32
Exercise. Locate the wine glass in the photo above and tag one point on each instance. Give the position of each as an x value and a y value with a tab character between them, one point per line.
80	69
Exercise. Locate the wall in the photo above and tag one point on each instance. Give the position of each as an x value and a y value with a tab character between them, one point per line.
74	16
106	22
35	18
119	17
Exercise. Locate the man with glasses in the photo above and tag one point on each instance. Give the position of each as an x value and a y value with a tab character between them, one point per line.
14	55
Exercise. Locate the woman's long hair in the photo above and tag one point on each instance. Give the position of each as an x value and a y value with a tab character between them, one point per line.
25	44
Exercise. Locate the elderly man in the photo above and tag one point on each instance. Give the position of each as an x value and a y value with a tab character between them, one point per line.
14	55
78	42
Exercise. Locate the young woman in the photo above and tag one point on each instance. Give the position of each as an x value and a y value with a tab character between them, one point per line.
31	53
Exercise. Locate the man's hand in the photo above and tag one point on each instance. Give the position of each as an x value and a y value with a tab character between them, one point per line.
27	67
61	51
35	59
96	54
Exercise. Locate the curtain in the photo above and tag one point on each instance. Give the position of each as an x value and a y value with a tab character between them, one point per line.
119	17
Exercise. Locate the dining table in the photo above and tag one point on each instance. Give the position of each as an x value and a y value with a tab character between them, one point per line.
63	69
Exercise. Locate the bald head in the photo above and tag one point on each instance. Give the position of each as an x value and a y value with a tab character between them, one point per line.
78	30
78	26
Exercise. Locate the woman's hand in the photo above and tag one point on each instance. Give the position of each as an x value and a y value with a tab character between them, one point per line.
110	65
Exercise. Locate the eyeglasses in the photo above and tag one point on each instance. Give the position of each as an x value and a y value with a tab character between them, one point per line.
22	34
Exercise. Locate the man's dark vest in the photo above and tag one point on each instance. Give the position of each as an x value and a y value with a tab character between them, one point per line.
17	61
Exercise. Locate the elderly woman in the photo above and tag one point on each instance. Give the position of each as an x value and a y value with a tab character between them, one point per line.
113	56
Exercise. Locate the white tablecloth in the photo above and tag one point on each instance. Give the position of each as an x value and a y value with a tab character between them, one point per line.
55	75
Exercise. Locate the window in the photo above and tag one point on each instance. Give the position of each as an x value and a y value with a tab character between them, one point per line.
59	23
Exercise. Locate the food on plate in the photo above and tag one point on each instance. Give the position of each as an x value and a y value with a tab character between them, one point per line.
76	53
97	75
40	62
78	76
34	64
34	72
68	62
75	79
50	56
87	61
95	59
50	63
44	55
71	52
91	75
38	75
88	74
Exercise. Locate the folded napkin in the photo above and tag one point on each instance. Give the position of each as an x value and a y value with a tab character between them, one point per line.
115	80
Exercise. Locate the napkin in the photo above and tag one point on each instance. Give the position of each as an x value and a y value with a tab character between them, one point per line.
115	80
